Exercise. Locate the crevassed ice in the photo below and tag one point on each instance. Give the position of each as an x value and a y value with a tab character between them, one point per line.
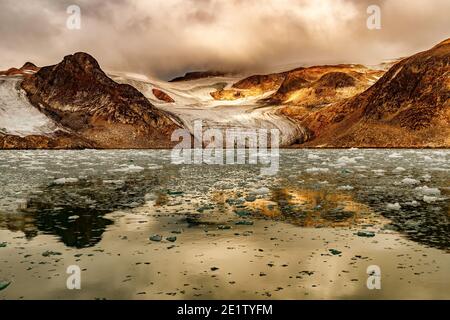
17	115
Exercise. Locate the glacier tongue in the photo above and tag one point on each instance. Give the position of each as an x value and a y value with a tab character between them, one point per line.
194	102
17	115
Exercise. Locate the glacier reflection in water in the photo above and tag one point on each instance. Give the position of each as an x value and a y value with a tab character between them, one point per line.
67	193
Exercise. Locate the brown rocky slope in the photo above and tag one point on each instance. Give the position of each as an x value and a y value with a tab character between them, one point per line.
408	107
304	86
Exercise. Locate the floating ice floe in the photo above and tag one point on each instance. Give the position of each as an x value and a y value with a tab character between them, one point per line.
317	170
410	181
130	168
346	160
394	206
428	191
413	203
113	181
312	156
398	170
260	191
395	156
430	199
345	188
378	172
65	180
154	167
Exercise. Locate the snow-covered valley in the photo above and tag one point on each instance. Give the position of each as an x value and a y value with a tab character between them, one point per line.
193	101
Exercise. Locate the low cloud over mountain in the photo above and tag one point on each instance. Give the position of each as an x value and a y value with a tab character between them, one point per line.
167	38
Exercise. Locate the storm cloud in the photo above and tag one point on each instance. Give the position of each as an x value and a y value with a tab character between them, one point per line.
165	38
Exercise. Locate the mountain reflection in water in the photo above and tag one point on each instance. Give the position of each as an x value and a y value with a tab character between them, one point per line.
325	190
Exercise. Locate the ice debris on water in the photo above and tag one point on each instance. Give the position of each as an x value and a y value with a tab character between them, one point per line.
317	170
345	188
410	181
51	253
4	285
393	206
128	168
399	170
346	160
335	252
312	156
428	191
413	203
366	234
65	180
395	156
156	238
244	223
430	199
261	191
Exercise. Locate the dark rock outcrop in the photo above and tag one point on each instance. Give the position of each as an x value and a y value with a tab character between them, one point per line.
77	94
58	140
27	68
161	95
189	76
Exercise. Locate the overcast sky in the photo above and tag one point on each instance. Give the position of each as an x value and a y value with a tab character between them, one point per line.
165	38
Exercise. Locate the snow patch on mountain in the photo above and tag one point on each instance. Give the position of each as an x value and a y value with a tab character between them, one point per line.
17	115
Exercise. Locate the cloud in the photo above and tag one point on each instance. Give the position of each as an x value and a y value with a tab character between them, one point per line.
169	37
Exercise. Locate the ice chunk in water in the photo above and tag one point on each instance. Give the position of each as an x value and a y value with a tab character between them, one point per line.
130	168
430	199
313	157
395	156
345	188
428	191
261	191
317	170
393	206
378	172
410	181
65	180
346	160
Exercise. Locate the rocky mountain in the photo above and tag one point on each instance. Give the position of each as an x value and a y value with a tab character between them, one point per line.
304	87
189	76
79	96
74	104
252	86
26	69
408	107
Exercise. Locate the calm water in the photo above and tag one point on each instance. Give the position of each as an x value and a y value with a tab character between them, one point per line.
226	231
